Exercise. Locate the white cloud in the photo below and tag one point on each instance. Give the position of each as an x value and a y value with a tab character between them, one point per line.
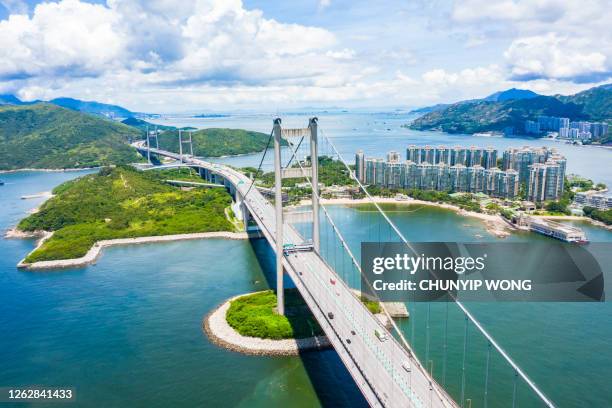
553	56
73	37
554	39
467	77
344	54
323	4
209	40
163	55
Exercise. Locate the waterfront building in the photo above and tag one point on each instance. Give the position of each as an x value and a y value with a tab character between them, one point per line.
470	170
360	166
475	182
486	157
582	126
545	181
552	123
395	174
564	133
458	178
413	154
592	199
443	177
556	230
374	171
599	130
393	157
489	158
531	127
521	159
427	155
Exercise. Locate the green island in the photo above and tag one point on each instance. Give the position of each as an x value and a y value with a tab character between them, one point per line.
46	136
255	316
122	202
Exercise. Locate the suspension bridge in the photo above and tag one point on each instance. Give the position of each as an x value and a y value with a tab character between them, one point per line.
382	362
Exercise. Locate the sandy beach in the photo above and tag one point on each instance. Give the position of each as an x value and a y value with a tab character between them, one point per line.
95	251
495	224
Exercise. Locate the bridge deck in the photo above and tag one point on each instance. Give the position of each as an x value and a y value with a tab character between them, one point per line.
378	367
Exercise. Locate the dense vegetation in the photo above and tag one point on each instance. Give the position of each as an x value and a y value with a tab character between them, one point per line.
604	216
479	116
498	113
372	305
122	203
47	136
216	142
596	102
255	316
331	172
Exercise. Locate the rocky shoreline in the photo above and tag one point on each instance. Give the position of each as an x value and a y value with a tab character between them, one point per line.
223	335
96	249
49	170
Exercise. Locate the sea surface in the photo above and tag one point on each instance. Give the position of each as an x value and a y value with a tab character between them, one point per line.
381	132
127	330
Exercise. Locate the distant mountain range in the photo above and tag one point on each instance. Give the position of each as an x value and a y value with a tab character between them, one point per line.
92	107
511	108
44	135
509	94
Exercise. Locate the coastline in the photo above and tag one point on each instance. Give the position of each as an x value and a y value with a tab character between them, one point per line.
494	224
94	252
575	218
223	335
50	170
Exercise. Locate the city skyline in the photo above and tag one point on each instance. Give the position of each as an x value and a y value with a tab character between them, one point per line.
232	55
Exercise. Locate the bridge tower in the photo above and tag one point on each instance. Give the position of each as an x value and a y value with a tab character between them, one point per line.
311	132
278	205
156	133
181	142
314	164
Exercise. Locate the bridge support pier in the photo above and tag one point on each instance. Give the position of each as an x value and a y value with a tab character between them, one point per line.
278	205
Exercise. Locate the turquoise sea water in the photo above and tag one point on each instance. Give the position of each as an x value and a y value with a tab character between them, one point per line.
127	330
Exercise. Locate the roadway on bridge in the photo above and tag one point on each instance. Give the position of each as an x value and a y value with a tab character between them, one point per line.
387	374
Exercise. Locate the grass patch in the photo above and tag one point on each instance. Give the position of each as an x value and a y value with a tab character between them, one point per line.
255	316
372	305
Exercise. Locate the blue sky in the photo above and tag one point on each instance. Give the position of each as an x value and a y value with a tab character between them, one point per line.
169	56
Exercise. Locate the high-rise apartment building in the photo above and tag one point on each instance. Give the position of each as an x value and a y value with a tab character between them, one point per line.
360	166
540	170
486	157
